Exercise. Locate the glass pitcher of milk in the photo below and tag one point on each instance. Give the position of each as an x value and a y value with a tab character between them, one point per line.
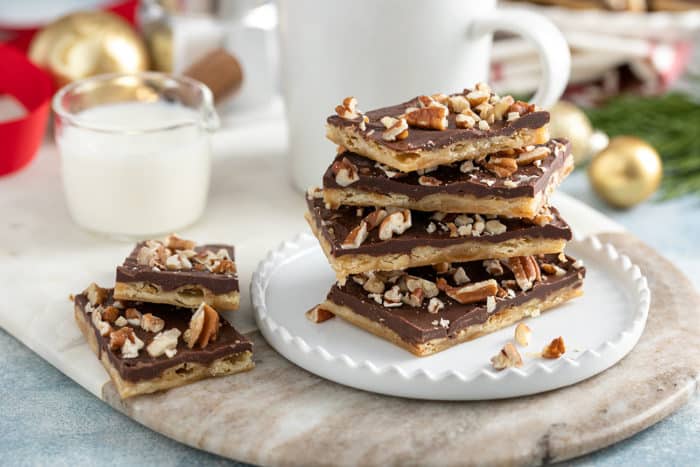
135	152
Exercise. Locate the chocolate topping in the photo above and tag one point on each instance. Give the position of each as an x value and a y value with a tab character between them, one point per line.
228	342
218	283
417	325
529	179
336	224
426	140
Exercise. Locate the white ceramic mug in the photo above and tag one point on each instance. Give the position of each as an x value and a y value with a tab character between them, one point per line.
388	51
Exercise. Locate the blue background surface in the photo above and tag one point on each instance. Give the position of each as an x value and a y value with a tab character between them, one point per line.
47	419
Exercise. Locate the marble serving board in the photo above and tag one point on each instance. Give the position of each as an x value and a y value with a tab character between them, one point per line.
279	414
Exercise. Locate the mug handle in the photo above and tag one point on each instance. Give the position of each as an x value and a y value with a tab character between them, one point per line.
540	31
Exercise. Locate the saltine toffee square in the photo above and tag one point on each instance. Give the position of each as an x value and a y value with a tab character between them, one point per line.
147	347
428	131
178	272
429	309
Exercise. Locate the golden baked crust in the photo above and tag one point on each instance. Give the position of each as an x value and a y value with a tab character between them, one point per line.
523	206
189	296
351	139
469	250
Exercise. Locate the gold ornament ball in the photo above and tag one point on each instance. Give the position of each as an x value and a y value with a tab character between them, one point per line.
88	43
570	122
160	45
627	172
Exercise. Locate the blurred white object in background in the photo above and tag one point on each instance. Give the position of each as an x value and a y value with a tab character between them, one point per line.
11	108
390	51
188	30
253	40
653	48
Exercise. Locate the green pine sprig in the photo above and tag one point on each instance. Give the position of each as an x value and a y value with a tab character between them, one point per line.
670	123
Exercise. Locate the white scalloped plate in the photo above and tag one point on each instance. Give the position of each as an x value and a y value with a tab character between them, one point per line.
599	329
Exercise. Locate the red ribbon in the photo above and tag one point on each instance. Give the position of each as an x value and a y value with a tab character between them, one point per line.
33	88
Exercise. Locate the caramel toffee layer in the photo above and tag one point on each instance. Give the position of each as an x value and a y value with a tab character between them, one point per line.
527	181
425	139
416	325
336	224
144	367
217	283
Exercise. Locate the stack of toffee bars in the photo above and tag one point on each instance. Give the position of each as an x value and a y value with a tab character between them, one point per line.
159	327
435	217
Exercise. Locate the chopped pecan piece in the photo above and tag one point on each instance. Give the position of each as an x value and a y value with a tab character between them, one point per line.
433	117
152	323
435	305
164	343
428	181
318	314
414	298
460	276
543	217
204	327
467	166
374	218
521	107
465	120
553	269
177	262
537	154
491	303
117	338
345	172
501	166
174	242
413	283
133	316
125	340
121	321
500	108
395	223
457	104
470	293
96	295
393	297
495	227
355	237
396	128
348	109
486	112
493	267
110	314
102	327
525	269
554	349
374	284
224	266
532	268
507	357
477	97
522	334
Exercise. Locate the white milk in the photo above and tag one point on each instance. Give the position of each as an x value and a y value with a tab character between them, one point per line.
127	181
